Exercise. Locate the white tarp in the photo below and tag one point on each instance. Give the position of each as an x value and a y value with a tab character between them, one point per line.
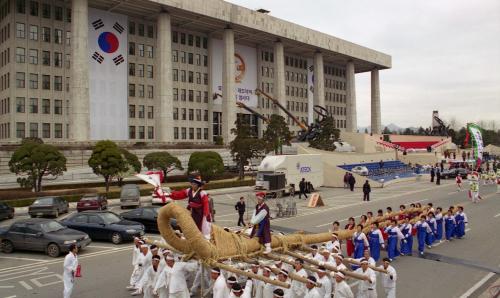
108	75
245	72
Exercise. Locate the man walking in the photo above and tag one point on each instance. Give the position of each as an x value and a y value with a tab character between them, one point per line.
352	181
302	188
70	265
438	177
366	191
240	207
433	173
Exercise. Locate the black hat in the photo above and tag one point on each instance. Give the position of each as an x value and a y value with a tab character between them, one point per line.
236	288
278	293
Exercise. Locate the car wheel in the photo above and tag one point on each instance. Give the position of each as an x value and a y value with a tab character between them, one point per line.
7	247
53	250
116	238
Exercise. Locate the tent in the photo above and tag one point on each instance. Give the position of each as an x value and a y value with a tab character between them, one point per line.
492	149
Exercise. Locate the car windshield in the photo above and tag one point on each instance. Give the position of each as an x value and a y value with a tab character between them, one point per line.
43	201
51	226
93	198
110	218
129	192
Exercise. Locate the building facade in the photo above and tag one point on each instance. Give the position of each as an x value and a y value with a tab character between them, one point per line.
186	63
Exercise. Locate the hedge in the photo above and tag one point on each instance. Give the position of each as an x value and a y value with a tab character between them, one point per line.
144	192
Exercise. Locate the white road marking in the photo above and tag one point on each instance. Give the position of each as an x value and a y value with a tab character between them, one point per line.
27	259
478	285
11	296
344	219
497	215
25	285
104	247
6	287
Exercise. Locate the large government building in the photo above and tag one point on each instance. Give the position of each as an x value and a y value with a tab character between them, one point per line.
167	71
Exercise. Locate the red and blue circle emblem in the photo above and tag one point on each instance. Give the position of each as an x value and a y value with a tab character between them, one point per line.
108	42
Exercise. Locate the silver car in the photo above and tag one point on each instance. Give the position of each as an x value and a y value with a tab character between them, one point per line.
130	196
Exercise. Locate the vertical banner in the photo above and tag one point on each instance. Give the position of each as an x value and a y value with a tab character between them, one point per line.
310	90
108	75
245	63
477	141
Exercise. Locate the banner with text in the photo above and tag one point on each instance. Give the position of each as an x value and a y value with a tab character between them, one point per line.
477	140
108	84
245	64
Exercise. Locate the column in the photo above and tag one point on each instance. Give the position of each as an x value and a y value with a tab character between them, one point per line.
79	81
164	99
375	104
260	109
211	91
279	75
351	125
228	85
319	81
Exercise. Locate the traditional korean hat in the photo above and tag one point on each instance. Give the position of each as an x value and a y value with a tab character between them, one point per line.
312	279
197	180
339	274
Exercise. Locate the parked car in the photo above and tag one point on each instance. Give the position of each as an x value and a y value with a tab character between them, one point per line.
92	202
155	200
454	172
104	225
250	168
360	170
40	234
6	211
48	206
148	216
130	195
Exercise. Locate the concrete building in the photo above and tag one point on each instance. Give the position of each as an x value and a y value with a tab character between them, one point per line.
180	76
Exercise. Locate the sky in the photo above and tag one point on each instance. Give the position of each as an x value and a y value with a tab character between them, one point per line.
445	53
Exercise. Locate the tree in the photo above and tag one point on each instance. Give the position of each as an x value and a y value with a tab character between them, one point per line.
421	131
246	146
132	165
107	161
277	134
162	160
386	131
327	136
35	160
208	164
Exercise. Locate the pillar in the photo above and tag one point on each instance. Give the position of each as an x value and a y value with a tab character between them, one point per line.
164	100
228	85
375	102
211	91
279	75
351	125
319	81
79	80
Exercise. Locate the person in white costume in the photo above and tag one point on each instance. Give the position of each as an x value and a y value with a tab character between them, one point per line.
148	281
389	279
367	288
324	282
163	280
178	285
298	288
70	265
312	290
342	289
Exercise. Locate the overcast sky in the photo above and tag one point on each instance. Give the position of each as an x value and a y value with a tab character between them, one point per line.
445	53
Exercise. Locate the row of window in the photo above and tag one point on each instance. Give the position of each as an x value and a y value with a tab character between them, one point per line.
190	76
267	87
267	72
140	91
189	39
34	130
44	34
141	111
4	9
139	132
46	59
141	50
289	120
138	70
339	111
267	56
296	91
5	130
189	114
5	33
335	97
296	77
5	81
191	130
4	106
33	82
33	107
296	106
295	62
5	57
189	58
334	71
141	29
189	94
335	84
46	10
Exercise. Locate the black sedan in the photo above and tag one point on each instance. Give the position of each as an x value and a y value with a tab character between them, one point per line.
148	216
6	211
48	206
104	225
40	234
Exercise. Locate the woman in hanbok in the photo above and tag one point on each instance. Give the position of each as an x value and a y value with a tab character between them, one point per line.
449	225
439	224
431	221
422	230
394	234
376	241
460	220
360	243
350	245
406	230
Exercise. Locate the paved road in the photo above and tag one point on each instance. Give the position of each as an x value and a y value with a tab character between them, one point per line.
450	269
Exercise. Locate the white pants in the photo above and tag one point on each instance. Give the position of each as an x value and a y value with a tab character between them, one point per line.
390	292
163	292
367	294
498	187
68	286
136	275
475	196
197	279
182	294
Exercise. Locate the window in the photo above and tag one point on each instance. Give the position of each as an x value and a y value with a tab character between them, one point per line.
131	28
141	29
149	51
198	41
141	49
198	115
33	32
183	133
198	96
176	133
175	56
58	13
176	114
33	56
33	81
58	83
131	111
140	88
34	8
20	130
183	75
141	132
205	97
183	114
46	34
198	59
190	39
131	90
198	78
190	58
183	38
58	107
205	133
46	58
150	112
175	37
191	95
175	94
191	133
131	69
131	132
150	91
46	10
205	42
20	104
150	31
20	79
140	112
33	130
21	6
58	130
20	30
68	15
45	82
205	78
183	57
68	38
45	106
191	115
198	133
151	134
140	70
183	94
58	36
20	55
58	59
149	71
46	130
190	76
131	48
205	60
175	75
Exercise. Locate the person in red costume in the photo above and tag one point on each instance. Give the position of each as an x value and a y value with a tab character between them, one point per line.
350	245
198	204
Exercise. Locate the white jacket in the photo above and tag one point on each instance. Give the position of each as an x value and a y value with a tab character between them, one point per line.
220	289
178	276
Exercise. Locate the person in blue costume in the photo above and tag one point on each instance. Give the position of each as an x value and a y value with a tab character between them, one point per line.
431	221
449	225
422	230
376	241
461	220
360	243
439	224
406	229
394	234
